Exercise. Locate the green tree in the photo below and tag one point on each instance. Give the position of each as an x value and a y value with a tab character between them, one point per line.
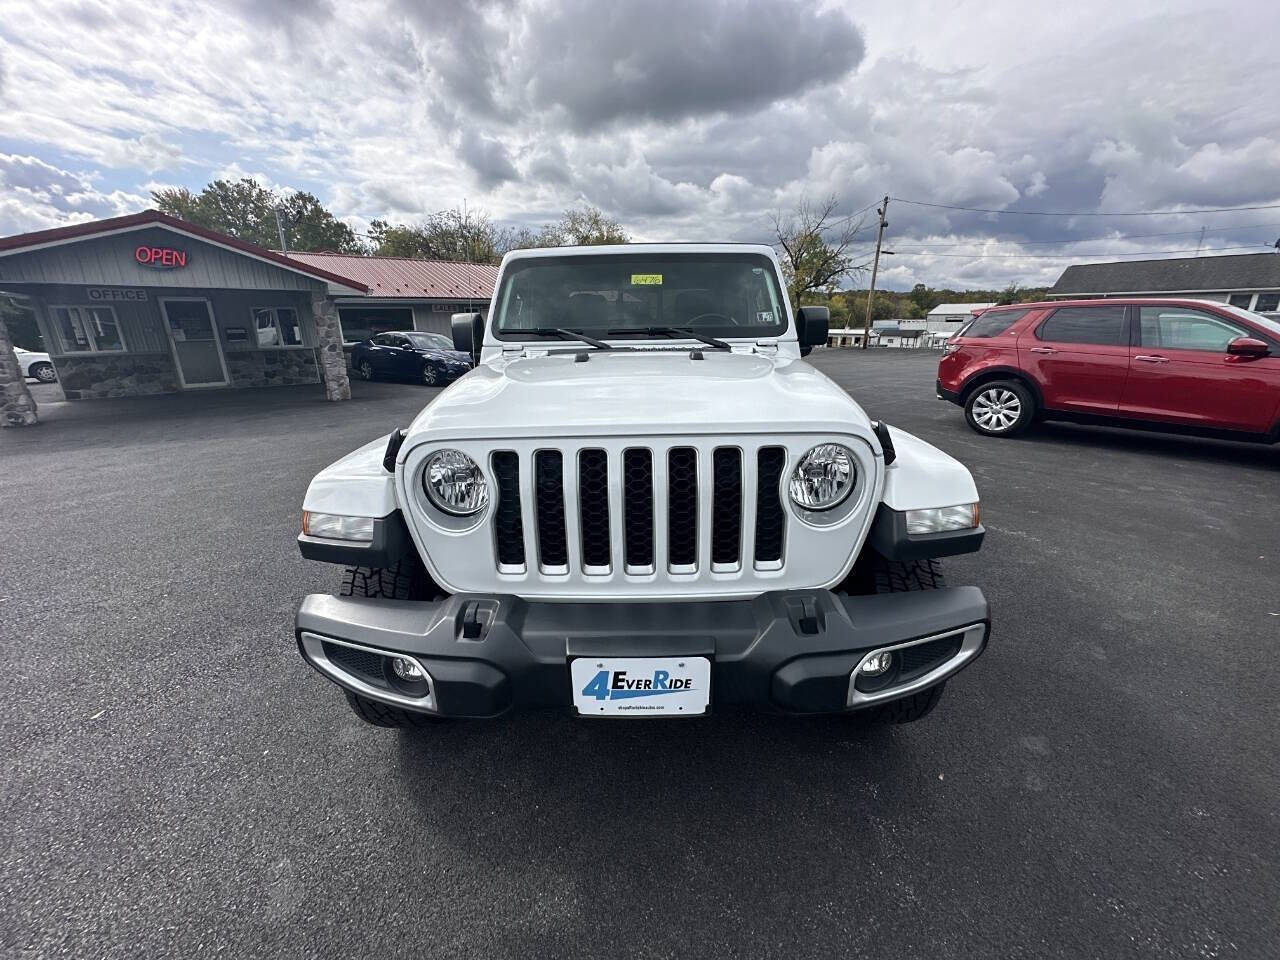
587	226
924	298
1010	294
457	234
815	247
247	210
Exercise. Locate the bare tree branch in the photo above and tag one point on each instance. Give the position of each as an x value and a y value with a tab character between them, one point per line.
815	246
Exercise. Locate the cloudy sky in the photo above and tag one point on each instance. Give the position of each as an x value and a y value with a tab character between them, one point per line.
685	119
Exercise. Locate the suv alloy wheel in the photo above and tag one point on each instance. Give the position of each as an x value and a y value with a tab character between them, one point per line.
1001	408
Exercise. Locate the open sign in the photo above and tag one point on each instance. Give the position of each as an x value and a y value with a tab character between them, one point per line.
164	258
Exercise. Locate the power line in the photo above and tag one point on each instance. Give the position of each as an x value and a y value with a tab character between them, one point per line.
1082	213
1067	256
1123	236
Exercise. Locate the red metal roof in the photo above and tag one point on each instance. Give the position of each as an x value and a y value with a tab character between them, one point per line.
147	218
406	277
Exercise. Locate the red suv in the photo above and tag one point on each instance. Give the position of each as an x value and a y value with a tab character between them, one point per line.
1182	365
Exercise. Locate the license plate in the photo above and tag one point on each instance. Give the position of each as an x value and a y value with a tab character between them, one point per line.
641	686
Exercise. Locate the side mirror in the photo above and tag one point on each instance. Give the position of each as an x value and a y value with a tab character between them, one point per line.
1248	347
812	324
468	334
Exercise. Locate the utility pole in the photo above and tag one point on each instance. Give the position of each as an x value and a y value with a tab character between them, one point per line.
875	267
284	247
1200	242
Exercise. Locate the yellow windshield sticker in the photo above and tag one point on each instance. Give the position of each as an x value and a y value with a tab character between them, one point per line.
646	279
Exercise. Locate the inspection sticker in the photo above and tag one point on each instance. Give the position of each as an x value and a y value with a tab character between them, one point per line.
646	279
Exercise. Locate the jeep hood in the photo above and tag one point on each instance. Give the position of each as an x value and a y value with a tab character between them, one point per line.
638	392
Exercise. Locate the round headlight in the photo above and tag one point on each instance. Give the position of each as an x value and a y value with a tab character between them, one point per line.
823	478
454	483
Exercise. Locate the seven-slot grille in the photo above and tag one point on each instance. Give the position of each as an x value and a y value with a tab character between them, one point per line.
620	524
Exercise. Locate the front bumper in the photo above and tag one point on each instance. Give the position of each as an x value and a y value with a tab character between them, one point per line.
951	396
792	651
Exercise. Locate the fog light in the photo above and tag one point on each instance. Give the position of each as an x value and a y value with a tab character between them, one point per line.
406	669
876	664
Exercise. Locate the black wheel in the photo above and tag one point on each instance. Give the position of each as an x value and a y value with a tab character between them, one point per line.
897	576
385	715
430	375
406	580
365	369
43	372
1001	408
907	709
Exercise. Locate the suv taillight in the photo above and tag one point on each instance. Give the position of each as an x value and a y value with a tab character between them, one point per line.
950	348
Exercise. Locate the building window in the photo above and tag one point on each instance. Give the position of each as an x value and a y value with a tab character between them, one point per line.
88	329
277	327
1267	303
1240	300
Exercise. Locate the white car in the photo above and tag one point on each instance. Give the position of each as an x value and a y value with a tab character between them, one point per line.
37	365
642	502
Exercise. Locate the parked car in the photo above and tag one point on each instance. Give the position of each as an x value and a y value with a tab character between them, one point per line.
409	355
35	364
1167	364
643	503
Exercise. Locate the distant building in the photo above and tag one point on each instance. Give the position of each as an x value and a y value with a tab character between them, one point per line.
948	317
900	338
1248	280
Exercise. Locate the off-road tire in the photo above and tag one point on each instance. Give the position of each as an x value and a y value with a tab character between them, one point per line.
899	576
907	709
406	580
384	715
1000	390
43	372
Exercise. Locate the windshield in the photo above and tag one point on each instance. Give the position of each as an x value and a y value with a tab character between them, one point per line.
430	341
716	294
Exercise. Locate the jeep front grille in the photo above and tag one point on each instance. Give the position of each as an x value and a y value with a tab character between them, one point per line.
687	501
644	517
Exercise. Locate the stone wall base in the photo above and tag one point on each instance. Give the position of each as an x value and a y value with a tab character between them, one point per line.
103	375
272	368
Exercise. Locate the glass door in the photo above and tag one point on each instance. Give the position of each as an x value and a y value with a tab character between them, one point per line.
194	337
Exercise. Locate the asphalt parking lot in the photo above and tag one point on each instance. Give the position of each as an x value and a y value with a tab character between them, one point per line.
1103	782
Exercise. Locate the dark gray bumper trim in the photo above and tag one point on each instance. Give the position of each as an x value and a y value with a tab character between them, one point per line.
819	636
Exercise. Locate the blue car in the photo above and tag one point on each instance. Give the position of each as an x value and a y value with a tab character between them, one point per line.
409	355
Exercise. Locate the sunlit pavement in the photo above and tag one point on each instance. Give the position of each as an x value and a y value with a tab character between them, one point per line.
1102	782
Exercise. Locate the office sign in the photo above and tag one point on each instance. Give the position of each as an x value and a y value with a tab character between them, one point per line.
115	294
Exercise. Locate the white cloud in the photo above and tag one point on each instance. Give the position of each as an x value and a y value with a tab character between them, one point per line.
689	121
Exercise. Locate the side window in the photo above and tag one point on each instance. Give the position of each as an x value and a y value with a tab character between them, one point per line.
992	323
1101	325
398	341
1177	328
382	340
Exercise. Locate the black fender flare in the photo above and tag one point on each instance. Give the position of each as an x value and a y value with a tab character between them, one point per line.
1000	373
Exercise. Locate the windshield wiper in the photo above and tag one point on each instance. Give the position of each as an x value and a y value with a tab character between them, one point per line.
671	332
564	333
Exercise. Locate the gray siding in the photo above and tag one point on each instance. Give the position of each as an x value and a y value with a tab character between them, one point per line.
109	261
425	317
142	324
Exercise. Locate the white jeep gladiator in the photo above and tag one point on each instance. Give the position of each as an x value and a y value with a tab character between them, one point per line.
642	502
